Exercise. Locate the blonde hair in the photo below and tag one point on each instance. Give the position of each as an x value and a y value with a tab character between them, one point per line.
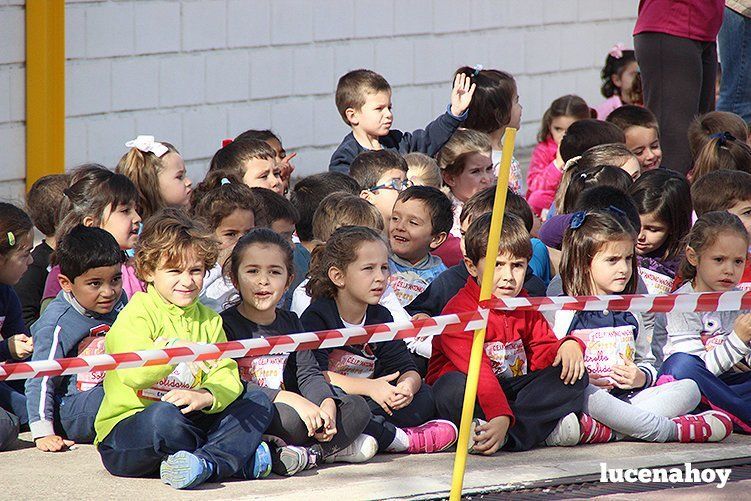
464	143
143	169
344	209
423	168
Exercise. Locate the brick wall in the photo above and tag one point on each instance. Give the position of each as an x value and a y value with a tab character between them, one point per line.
195	71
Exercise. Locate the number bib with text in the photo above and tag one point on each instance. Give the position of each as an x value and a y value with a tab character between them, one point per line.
351	364
266	371
507	359
606	347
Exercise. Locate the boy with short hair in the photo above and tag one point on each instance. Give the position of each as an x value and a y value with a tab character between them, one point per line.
642	134
279	215
62	409
363	98
382	175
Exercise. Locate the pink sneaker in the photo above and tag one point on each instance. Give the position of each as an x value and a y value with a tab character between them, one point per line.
593	432
710	426
433	436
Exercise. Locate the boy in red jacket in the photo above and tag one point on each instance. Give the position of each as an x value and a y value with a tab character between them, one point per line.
529	380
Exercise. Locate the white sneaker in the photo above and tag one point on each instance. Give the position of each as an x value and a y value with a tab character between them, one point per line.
362	449
471	444
565	433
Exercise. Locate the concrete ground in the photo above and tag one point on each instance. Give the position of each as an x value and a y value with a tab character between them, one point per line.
78	474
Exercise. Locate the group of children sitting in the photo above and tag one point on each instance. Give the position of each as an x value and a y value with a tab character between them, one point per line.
138	258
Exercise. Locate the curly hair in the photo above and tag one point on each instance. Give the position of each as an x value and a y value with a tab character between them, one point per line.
614	66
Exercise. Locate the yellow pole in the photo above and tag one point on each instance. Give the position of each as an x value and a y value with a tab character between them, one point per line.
45	88
486	289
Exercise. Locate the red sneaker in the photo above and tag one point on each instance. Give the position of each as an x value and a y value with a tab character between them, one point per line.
593	432
433	436
710	426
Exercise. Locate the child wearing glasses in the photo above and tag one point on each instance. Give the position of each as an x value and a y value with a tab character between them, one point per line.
382	174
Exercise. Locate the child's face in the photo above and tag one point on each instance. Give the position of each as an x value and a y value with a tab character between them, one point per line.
96	290
411	231
232	228
653	234
179	285
364	280
516	113
508	275
645	144
742	209
611	267
719	267
14	264
174	185
263	173
476	176
625	80
632	168
385	196
559	126
262	277
375	117
285	228
123	222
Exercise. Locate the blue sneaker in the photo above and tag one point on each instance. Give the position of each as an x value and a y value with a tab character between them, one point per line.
262	461
183	470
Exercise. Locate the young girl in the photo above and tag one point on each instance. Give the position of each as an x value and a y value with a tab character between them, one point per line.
722	151
16	240
423	170
347	278
250	160
198	430
621	400
261	268
712	348
620	81
158	171
99	197
283	160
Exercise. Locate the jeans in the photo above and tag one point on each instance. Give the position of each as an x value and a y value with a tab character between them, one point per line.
735	54
8	429
77	413
13	400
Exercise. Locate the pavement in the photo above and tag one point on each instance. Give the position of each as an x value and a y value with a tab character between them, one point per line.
78	474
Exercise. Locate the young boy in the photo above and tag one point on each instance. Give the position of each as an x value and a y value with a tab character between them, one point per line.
363	98
642	134
381	175
62	409
420	222
529	380
279	215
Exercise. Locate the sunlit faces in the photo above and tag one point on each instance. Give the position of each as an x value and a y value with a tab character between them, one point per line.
508	275
123	222
476	176
411	231
559	126
263	173
632	168
262	278
742	209
174	185
719	267
181	284
384	198
612	267
653	234
644	142
285	228
98	289
15	263
364	280
374	118
625	80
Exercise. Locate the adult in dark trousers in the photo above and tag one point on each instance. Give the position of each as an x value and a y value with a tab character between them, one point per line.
735	55
677	55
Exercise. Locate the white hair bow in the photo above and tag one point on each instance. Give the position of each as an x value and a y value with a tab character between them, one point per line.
147	144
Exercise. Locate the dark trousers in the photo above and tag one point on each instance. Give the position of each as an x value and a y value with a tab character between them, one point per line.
13	400
137	445
679	81
538	400
729	392
352	415
76	414
8	429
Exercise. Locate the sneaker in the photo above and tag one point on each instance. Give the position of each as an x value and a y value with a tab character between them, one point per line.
566	433
262	461
471	444
183	470
362	449
710	426
291	459
593	432
433	436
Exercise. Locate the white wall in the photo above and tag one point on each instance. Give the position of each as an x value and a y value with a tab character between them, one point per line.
193	72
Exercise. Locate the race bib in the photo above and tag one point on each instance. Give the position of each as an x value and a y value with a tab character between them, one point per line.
606	347
351	364
656	283
407	286
93	344
266	371
507	359
182	378
744	286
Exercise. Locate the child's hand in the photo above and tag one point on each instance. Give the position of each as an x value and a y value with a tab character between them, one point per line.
601	382
742	327
489	437
53	443
461	94
571	356
382	391
309	413
20	346
286	167
328	414
189	400
403	397
627	375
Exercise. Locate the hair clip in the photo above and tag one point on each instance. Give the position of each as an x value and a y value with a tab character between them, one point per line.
723	137
577	220
225	142
583	175
615	211
478	69
11	239
225	181
147	144
617	50
571	162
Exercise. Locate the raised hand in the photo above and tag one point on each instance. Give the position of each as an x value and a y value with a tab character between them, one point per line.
461	94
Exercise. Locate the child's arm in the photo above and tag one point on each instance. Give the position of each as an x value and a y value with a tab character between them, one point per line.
40	392
223	381
379	389
644	358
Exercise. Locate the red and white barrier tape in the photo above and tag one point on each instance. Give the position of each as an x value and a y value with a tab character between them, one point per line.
247	348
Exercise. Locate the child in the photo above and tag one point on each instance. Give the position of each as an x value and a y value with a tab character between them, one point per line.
98	197
283	160
280	215
704	126
363	98
62	409
420	222
722	151
620	84
642	134
382	175
249	160
198	429
528	379
43	205
347	278
261	269
16	240
495	107
555	122
621	400
712	348
423	170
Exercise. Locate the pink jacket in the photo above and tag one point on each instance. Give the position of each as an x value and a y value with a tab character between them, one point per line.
608	106
549	180
542	155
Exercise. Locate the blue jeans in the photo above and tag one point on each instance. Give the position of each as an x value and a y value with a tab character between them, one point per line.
76	414
13	400
8	429
735	54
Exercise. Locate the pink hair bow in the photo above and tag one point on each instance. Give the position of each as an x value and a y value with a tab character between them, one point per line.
617	50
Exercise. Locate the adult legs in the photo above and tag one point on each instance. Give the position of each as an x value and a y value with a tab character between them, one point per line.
735	53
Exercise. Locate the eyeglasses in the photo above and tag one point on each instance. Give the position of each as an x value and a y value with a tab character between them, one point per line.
394	184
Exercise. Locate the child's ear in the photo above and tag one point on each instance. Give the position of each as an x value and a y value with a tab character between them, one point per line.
448	180
616	79
471	268
692	257
351	115
367	195
66	284
438	240
88	221
336	276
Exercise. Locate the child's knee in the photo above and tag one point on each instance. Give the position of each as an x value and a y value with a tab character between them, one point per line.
682	365
356	409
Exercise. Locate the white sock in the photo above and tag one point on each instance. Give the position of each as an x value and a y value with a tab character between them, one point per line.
400	443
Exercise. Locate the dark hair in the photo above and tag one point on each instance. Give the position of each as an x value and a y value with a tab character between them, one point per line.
614	66
490	108
369	166
352	88
84	248
702	127
275	206
630	115
667	195
44	200
603	197
584	134
221	201
515	204
258	135
15	222
601	175
720	190
308	192
722	152
339	251
705	232
436	202
515	238
569	105
482	202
